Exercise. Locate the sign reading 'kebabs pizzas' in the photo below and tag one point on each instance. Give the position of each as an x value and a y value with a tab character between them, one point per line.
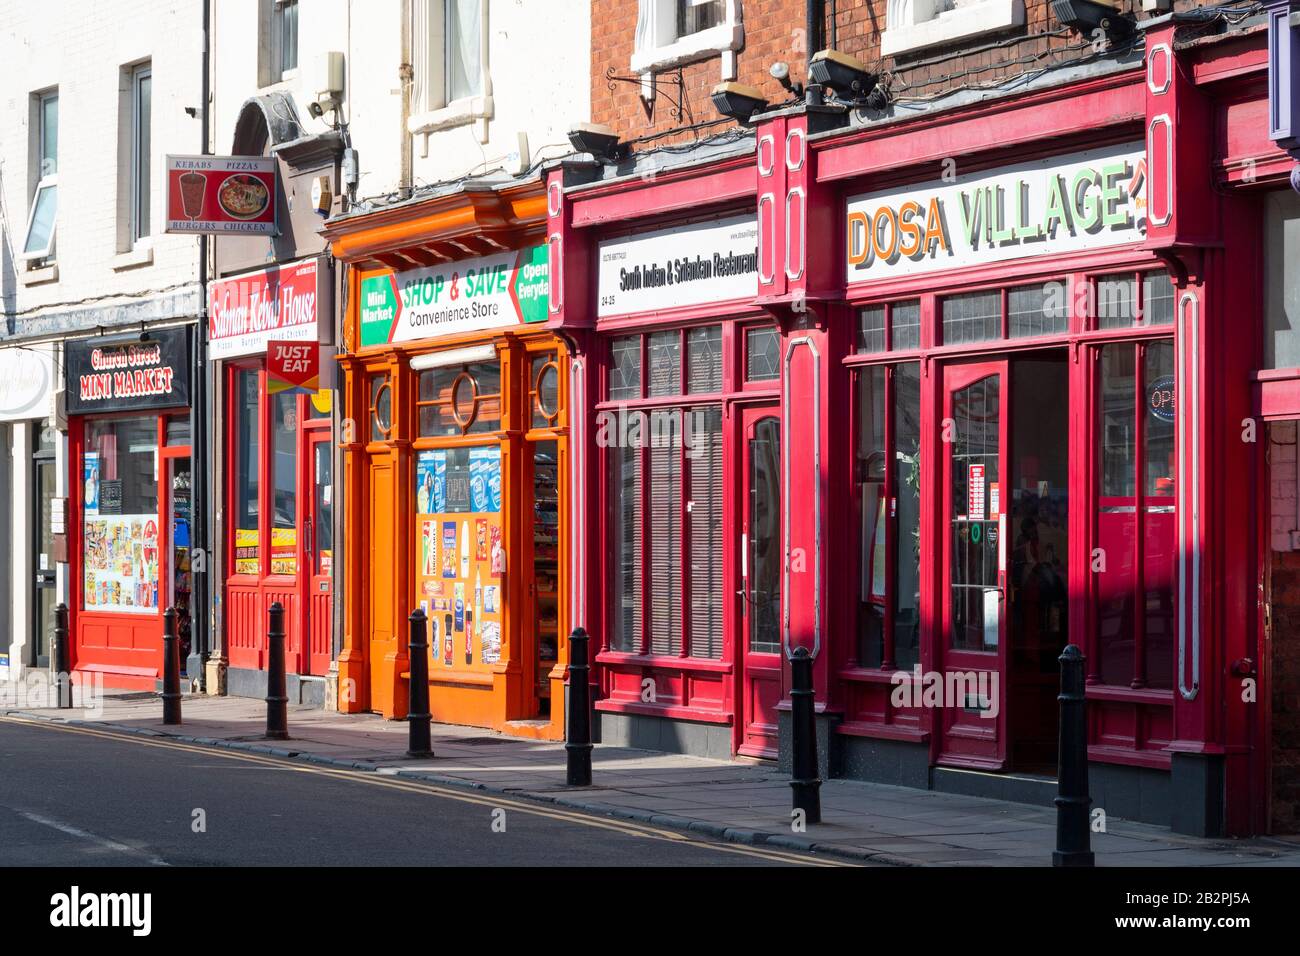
226	194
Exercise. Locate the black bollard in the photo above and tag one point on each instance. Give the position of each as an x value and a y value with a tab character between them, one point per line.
1073	846
805	783
419	742
62	664
277	698
171	695
577	718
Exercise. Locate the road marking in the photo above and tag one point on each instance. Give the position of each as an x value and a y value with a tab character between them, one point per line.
628	828
86	835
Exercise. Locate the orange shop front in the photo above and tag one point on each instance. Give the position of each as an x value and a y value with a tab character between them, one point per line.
456	476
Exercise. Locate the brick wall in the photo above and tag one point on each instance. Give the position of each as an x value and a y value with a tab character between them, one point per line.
774	30
1284	598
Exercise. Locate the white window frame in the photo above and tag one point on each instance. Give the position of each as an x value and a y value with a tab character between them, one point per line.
431	109
658	47
140	184
273	41
917	24
44	181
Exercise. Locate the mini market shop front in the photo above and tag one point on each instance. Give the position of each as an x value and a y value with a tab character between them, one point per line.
456	477
128	532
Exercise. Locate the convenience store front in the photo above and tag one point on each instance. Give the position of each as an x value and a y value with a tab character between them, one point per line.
456	471
129	520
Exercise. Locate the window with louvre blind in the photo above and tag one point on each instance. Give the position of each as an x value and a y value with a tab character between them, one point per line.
665	517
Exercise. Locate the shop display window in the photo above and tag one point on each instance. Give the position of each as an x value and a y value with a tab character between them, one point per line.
1137	515
460	400
888	466
666	496
120	531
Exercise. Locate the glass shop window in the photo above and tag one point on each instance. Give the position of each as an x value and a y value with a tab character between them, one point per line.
762	355
890	327
1282	280
248	461
888	470
459	400
381	407
1137	515
1126	300
284	478
120	537
544	391
665	474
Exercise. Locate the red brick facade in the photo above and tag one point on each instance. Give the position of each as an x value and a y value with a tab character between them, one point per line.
775	30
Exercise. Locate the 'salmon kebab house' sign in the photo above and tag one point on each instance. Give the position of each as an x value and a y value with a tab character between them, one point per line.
1064	204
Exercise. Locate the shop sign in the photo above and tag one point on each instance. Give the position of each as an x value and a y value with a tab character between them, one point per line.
1088	200
292	368
468	295
124	373
287	303
221	194
1160	398
26	382
715	261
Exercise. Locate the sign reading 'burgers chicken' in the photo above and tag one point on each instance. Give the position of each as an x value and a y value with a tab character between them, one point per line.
227	194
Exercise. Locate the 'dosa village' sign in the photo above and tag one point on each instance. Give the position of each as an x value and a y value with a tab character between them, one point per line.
1084	201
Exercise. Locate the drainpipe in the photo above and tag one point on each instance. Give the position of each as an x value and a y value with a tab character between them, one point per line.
200	419
815	16
406	74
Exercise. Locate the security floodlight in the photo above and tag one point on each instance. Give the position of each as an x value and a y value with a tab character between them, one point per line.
780	71
738	101
1088	16
598	140
846	75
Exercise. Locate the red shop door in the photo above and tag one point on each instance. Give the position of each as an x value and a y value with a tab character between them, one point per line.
760	579
318	548
972	646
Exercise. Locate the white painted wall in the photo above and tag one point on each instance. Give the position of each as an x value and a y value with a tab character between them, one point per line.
81	49
539	64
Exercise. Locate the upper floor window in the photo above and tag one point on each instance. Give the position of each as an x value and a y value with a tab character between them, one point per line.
917	24
672	32
279	47
141	147
462	39
449	85
39	241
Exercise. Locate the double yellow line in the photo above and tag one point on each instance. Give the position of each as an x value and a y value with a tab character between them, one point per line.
370	778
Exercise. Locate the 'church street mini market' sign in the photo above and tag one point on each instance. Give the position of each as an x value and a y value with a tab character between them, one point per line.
122	373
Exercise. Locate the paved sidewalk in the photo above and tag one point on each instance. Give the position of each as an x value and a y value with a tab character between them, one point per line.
748	803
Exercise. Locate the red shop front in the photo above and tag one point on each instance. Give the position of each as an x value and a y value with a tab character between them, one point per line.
277	465
1009	400
679	439
128	528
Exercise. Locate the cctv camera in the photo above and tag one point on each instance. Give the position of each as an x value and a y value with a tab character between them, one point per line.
315	110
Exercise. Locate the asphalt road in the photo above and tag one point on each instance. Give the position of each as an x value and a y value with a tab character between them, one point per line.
80	797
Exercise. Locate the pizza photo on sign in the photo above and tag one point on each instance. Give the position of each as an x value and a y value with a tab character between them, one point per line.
243	196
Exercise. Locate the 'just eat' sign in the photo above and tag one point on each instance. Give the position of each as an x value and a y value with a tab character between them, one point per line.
1064	204
292	367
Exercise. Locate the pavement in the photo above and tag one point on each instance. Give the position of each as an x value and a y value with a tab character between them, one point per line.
744	803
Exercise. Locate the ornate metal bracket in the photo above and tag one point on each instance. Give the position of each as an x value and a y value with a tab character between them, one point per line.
658	83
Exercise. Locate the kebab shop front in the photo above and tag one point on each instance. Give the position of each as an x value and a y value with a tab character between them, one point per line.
128	533
275	467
